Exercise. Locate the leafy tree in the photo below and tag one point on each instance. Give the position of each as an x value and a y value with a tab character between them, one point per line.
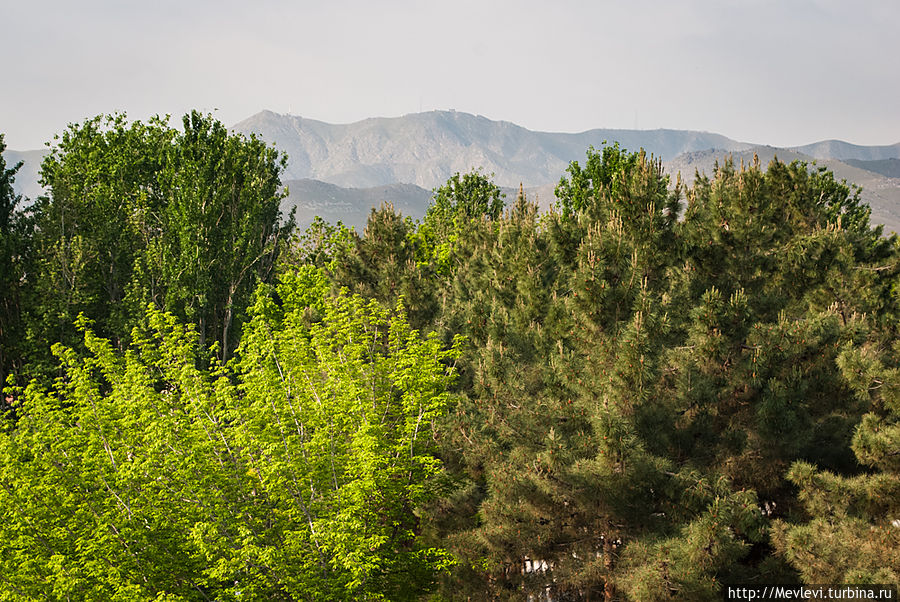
462	200
139	213
220	230
293	475
101	178
465	197
15	256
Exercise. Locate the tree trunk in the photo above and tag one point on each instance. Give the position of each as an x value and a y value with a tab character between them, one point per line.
609	591
227	322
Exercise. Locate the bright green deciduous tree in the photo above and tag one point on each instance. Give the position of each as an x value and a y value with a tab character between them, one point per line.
295	474
462	200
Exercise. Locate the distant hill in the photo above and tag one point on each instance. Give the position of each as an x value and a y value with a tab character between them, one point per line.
352	205
885	167
838	149
427	148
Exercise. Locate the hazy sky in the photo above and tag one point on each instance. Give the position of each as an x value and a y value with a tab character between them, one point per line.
780	72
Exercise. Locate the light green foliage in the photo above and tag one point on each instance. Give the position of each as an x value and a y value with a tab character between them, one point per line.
321	244
294	474
460	201
465	197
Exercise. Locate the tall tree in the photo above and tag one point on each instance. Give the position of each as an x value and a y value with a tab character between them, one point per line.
101	176
15	247
220	227
142	213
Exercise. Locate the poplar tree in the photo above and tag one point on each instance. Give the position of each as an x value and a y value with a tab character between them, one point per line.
142	213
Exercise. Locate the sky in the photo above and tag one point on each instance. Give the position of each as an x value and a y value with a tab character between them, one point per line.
778	72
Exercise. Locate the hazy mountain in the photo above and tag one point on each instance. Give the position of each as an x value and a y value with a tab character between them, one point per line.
838	149
885	167
427	148
352	205
879	192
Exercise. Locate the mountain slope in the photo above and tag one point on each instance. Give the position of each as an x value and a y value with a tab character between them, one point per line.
427	148
885	167
351	206
340	171
838	149
311	198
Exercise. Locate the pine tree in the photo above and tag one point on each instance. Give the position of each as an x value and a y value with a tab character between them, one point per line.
851	535
388	262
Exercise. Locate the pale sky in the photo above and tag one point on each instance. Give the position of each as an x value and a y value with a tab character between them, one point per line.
779	72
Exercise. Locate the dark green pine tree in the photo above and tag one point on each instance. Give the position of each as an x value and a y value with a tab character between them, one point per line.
851	533
512	422
388	262
749	383
774	281
621	204
562	319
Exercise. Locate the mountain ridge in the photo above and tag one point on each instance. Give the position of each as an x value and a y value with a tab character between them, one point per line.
427	148
342	170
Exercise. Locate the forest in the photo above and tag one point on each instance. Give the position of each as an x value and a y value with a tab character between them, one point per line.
649	392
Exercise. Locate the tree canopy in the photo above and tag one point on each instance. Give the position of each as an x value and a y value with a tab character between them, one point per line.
143	213
649	392
293	474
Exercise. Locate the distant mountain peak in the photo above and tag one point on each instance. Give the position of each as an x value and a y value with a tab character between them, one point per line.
427	148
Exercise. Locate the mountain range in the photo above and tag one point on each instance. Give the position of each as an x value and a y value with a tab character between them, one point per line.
340	171
427	148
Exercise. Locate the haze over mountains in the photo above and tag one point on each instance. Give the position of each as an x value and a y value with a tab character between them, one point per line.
427	148
339	171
